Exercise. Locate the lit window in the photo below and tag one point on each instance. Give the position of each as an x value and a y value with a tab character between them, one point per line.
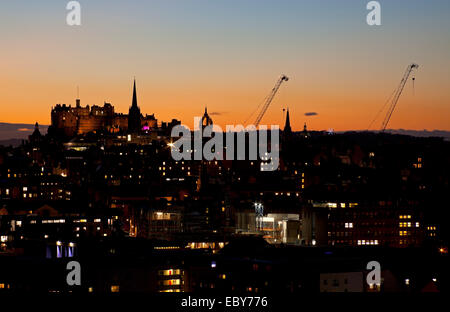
169	272
171	282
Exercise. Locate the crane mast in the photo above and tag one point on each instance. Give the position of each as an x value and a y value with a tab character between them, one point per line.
397	94
270	98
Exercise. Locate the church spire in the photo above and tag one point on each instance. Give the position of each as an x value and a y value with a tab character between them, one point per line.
134	114
287	126
134	103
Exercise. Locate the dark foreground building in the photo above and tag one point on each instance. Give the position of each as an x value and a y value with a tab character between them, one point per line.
108	194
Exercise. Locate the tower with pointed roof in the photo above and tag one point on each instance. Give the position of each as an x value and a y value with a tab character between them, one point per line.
36	137
305	132
287	125
134	114
206	120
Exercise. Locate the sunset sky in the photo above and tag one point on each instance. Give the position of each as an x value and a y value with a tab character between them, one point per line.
187	54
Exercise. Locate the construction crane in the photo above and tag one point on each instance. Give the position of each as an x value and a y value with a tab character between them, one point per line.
397	94
269	99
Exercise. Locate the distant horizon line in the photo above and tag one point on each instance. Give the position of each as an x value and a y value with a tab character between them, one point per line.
357	130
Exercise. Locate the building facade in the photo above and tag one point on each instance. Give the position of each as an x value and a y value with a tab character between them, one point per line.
70	121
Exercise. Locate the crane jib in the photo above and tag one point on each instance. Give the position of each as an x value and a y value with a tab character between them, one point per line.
270	98
397	94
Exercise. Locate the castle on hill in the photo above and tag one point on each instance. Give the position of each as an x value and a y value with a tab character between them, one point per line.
70	121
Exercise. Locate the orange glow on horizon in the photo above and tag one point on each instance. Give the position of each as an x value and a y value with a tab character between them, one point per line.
337	109
186	56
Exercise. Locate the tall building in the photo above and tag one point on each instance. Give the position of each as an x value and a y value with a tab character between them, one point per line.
70	121
134	114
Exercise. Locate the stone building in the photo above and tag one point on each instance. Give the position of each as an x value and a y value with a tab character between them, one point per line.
70	121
